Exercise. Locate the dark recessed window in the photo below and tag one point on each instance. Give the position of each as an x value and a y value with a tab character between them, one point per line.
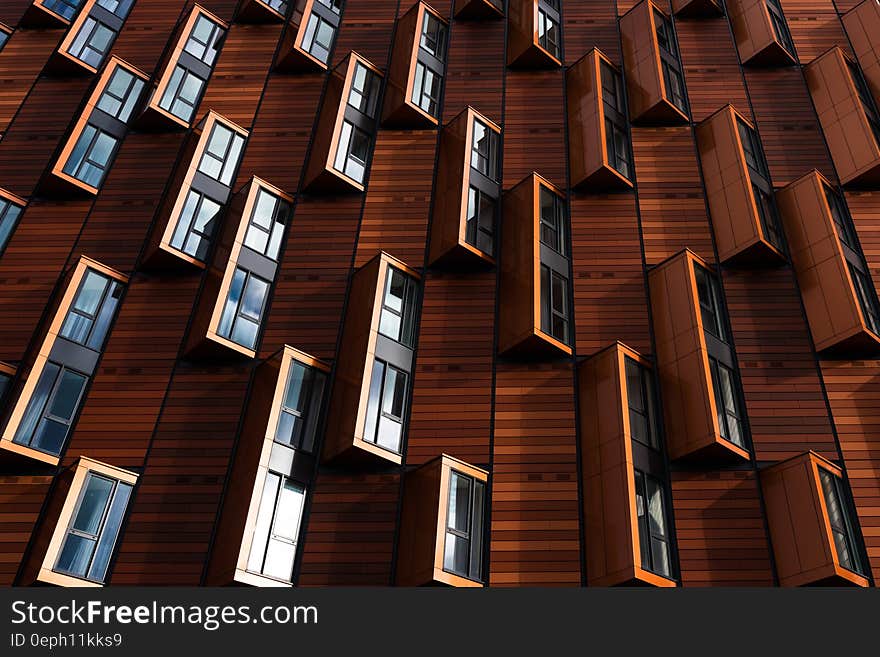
846	232
426	89
653	524
866	100
5	384
553	232
334	5
463	549
711	309
364	94
842	519
92	311
399	304
4	37
196	225
480	223
266	226
353	152
278	5
9	214
318	38
64	8
673	81
386	406
433	39
273	549
244	308
51	409
91	156
780	27
182	93
118	7
484	151
300	407
92	42
548	32
616	128
204	40
121	94
93	531
752	148
727	402
867	298
642	404
554	304
222	154
768	216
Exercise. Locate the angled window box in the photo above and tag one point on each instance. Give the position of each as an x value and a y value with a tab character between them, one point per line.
49	14
258	531
81	527
739	191
704	410
654	78
467	193
848	116
598	130
369	405
813	525
90	37
626	499
90	150
761	33
11	208
262	11
534	35
310	36
535	306
835	283
417	71
55	386
213	154
232	304
187	69
479	9
342	145
862	25
697	8
442	533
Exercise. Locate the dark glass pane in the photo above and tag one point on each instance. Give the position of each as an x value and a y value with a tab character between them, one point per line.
75	555
98	570
92	505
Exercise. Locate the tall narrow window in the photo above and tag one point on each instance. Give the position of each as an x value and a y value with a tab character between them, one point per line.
276	534
767	215
868	105
91	156
355	146
484	150
364	94
480	221
300	406
780	27
710	304
641	403
91	537
120	96
196	225
463	550
399	305
266	226
846	232
653	524
204	40
867	297
386	407
9	214
554	304
673	81
222	154
426	89
433	38
92	311
842	520
244	307
616	128
553	232
51	410
548	28
727	402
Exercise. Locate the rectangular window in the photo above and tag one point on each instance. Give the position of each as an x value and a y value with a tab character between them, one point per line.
426	89
318	38
866	100
183	93
463	549
5	384
548	32
846	232
300	407
842	519
266	225
4	37
867	298
92	310
752	148
554	304
673	83
196	224
244	307
276	534
484	150
780	27
222	154
653	524
642	404
64	8
278	5
204	40
333	5
617	147
364	94
118	7
727	402
768	216
433	39
711	311
399	305
553	223
386	407
9	214
91	156
480	223
91	537
51	409
353	152
119	97
92	42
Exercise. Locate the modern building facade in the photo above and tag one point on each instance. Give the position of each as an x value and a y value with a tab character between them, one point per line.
469	293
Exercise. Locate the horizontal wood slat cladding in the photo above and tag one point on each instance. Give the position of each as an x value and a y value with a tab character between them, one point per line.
366	27
475	69
711	68
535	537
815	27
147	31
12	10
452	394
30	268
21	61
588	24
853	391
398	202
21	498
351	530
720	531
783	393
790	132
671	200
607	273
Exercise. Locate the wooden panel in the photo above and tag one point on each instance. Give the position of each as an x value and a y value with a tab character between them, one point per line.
147	32
535	506
590	24
862	26
366	28
21	61
21	499
475	69
815	27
